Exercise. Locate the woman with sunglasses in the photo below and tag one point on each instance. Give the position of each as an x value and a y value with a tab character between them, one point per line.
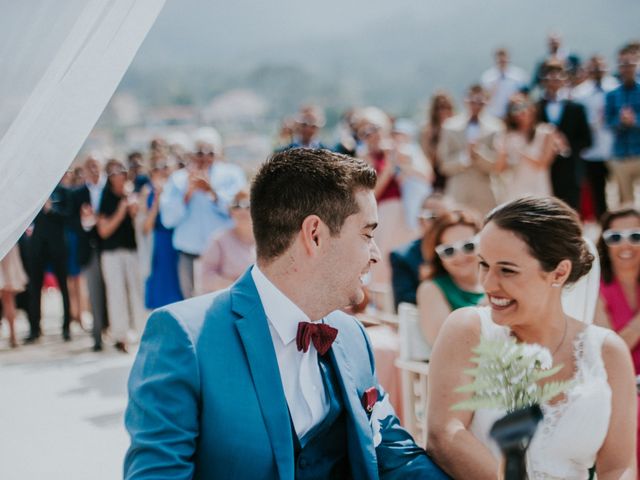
526	151
619	302
119	258
452	281
529	250
230	252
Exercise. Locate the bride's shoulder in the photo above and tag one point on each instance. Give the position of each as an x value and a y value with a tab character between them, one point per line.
459	334
613	347
603	338
607	345
464	322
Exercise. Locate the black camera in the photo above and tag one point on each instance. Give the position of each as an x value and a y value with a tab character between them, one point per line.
513	434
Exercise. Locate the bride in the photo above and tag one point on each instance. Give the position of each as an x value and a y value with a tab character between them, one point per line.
529	250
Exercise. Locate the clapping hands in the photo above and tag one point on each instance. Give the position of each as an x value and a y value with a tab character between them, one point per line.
627	117
199	181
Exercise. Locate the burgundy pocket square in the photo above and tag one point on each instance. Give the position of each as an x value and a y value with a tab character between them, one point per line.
369	398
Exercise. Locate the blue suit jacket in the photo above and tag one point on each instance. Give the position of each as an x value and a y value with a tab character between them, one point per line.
206	400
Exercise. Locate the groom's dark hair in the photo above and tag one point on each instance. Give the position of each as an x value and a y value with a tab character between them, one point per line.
296	183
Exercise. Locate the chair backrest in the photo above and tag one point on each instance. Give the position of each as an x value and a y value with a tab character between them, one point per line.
412	343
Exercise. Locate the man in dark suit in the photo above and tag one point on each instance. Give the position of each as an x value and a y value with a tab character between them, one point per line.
572	136
86	200
48	248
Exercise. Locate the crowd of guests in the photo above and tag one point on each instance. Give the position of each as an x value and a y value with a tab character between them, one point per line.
165	226
174	222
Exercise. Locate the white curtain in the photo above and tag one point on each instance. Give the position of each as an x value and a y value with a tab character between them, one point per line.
60	62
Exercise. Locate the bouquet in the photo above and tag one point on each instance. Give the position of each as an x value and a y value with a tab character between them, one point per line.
507	374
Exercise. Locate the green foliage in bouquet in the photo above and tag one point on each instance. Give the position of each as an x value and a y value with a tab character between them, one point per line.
507	376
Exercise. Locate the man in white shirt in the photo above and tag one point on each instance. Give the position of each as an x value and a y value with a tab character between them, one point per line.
195	202
270	379
500	82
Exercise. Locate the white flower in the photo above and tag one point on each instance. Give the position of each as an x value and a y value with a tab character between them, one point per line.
381	410
538	353
506	376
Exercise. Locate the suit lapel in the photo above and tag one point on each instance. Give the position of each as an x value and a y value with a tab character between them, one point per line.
361	451
261	357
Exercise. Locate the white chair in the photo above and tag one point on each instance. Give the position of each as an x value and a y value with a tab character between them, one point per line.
412	362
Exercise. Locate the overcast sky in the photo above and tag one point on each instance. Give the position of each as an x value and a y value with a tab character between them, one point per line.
237	31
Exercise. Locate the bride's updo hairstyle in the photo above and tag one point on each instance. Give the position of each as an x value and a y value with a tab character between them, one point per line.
550	228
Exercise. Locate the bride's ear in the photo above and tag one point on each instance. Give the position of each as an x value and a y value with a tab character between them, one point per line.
561	273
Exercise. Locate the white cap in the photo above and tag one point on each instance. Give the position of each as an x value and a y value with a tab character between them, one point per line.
208	136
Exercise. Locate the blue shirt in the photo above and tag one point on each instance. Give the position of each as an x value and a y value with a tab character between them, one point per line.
194	222
626	141
405	272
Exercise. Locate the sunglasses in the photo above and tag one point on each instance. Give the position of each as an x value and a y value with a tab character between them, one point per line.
202	153
426	214
478	100
242	204
451	249
518	108
555	76
368	131
615	237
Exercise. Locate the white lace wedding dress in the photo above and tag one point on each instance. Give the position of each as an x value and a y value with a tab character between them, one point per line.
573	430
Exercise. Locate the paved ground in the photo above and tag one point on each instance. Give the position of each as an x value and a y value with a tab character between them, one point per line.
61	406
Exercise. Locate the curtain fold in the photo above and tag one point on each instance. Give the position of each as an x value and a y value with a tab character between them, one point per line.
61	63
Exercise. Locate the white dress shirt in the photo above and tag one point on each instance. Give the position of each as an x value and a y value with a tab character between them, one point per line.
500	86
554	109
299	372
95	192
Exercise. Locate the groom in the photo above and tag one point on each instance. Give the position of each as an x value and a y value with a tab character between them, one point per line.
269	379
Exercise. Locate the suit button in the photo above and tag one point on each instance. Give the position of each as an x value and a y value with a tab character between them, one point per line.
303	463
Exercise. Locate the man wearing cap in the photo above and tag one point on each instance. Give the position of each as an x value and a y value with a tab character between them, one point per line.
622	113
269	379
195	202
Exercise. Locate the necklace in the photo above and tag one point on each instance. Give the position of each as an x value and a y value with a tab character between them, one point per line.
564	335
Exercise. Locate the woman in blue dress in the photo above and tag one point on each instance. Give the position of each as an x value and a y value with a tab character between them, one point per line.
161	286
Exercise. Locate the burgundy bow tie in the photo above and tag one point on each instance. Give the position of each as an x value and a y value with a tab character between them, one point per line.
322	336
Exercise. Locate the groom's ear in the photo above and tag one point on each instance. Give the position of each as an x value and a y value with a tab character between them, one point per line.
311	234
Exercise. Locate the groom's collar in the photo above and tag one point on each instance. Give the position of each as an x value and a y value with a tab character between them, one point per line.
281	312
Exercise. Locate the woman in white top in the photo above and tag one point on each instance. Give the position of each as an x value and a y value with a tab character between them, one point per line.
529	250
526	151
